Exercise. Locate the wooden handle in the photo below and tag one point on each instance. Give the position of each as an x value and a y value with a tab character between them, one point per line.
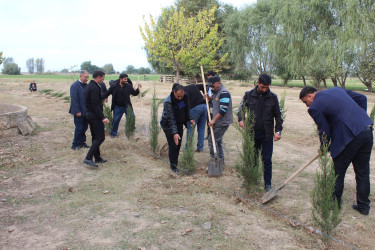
300	170
208	110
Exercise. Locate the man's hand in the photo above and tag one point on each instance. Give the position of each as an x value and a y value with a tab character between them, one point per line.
105	120
211	123
106	100
241	124
139	85
79	114
176	138
192	122
276	137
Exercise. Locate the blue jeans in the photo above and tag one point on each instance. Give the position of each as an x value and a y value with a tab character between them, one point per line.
118	111
218	134
267	149
81	125
199	115
357	152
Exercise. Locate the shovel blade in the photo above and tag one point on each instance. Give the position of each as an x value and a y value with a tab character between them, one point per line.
144	131
269	195
215	167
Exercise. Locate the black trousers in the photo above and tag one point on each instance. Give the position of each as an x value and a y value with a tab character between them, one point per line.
174	149
98	136
358	152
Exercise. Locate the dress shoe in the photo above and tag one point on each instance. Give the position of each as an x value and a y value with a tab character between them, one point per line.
84	145
268	188
100	160
76	148
360	210
90	162
175	170
198	150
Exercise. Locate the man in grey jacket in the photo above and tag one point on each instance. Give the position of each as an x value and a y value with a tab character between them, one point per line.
222	115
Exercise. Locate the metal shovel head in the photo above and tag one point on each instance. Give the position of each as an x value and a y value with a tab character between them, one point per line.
215	167
269	195
143	130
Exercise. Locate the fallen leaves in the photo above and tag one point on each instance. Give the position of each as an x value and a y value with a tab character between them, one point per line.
186	232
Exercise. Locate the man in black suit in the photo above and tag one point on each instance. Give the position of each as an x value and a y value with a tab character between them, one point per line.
95	117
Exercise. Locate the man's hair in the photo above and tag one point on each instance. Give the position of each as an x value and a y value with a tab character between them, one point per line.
265	79
211	80
98	73
211	73
83	72
307	90
177	87
123	75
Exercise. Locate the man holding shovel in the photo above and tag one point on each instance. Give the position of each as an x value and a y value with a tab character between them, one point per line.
266	108
221	112
341	116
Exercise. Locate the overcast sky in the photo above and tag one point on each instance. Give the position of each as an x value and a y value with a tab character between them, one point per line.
68	32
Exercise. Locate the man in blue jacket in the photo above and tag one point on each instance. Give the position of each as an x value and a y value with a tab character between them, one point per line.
342	118
78	110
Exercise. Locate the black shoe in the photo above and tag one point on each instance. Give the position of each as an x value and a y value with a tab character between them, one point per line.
84	145
90	162
198	150
113	136
76	148
100	160
175	170
360	210
268	188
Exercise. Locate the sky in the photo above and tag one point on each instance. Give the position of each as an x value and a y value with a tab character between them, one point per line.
66	33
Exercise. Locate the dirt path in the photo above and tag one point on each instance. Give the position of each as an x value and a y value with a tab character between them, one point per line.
52	201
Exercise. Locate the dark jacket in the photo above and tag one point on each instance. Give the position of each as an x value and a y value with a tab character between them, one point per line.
94	104
271	110
175	113
77	98
340	115
120	94
195	95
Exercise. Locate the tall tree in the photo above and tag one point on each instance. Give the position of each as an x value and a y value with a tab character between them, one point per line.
39	62
1	58
8	60
89	67
108	69
130	69
30	65
182	42
248	33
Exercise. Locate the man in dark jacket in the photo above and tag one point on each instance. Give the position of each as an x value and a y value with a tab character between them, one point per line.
176	114
341	116
120	91
198	110
32	86
265	106
95	117
78	110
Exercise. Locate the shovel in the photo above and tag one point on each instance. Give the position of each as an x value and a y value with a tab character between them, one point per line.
215	165
143	129
273	192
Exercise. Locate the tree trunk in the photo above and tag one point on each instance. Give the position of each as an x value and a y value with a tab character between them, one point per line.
177	78
285	82
324	83
304	81
334	81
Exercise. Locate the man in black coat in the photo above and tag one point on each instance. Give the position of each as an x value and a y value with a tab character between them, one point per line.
95	117
266	108
120	90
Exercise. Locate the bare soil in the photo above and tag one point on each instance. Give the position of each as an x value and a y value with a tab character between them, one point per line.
51	200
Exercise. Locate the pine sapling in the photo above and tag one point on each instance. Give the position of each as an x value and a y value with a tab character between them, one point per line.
325	210
187	163
250	164
154	123
108	113
282	105
130	122
372	114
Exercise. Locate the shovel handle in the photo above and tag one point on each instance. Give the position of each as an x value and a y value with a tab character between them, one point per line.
208	111
300	170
